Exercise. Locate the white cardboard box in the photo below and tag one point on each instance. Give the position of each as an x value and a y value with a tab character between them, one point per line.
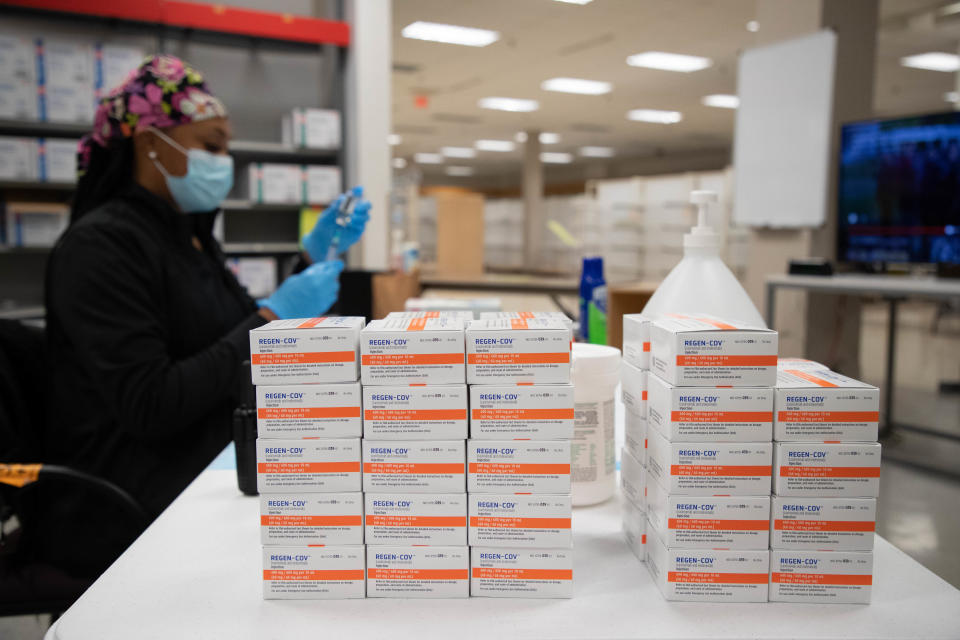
800	363
508	520
413	466
521	573
113	64
633	479
691	414
528	315
416	351
636	340
821	576
709	352
402	571
58	159
19	158
275	183
714	468
311	519
534	351
67	81
313	573
518	466
35	224
820	405
322	184
826	470
635	436
529	412
635	529
466	316
634	388
315	128
18	78
823	524
708	575
309	410
416	519
306	350
429	412
709	522
290	466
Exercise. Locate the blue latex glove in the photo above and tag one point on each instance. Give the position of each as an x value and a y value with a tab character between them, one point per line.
307	294
317	242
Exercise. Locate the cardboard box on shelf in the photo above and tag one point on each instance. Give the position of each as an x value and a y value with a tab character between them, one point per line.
428	412
635	529
823	524
635	436
401	571
321	184
827	470
416	518
634	388
274	183
633	479
309	411
311	518
521	573
527	412
306	350
18	79
534	351
820	405
66	81
417	351
821	576
295	465
313	573
19	158
414	466
636	340
518	466
510	520
315	128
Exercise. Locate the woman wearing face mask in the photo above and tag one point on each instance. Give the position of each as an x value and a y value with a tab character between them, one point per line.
147	329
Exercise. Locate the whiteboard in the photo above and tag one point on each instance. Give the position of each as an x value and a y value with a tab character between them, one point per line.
781	150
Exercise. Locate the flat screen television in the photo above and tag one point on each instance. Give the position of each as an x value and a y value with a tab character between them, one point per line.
899	190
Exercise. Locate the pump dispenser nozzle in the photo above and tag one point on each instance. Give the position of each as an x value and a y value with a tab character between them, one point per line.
702	235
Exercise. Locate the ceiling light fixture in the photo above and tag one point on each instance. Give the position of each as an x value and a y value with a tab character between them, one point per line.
952	96
449	34
459	152
597	152
494	145
399	163
428	158
577	85
721	100
545	137
669	61
753	26
521	136
459	171
393	139
516	105
553	157
581	2
933	61
657	116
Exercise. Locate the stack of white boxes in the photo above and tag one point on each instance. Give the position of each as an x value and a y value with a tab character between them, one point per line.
414	461
710	419
826	482
308	457
634	371
518	455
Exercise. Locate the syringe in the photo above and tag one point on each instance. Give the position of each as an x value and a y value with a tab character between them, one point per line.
344	213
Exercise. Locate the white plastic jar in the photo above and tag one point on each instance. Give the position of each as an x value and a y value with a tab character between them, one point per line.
596	372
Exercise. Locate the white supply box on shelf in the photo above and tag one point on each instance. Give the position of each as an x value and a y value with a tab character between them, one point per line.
290	466
634	388
518	466
528	412
708	575
635	436
404	571
19	158
827	470
823	406
528	315
528	351
311	519
704	351
274	183
309	411
710	468
466	316
801	364
416	518
692	414
709	522
321	184
58	159
509	520
521	573
18	78
66	81
821	576
636	340
313	573
315	128
633	479
823	524
429	412
413	466
415	351
635	529
112	64
306	350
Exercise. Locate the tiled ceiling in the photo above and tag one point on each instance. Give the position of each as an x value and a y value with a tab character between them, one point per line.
541	39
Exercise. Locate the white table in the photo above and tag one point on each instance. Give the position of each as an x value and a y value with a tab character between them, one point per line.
195	573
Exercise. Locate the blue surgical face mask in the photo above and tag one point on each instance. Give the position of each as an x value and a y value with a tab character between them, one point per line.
207	182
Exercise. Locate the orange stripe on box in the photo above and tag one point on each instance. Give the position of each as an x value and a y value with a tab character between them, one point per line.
811	378
726	361
416	521
417	324
311	323
717	323
415	414
494	522
823	525
643	395
523	414
718	525
412	467
518	323
828	416
829	472
721	416
313	574
840	579
308	467
418	574
431	314
400	359
522	574
308	412
314	357
519	358
525	314
646	346
311	521
705	577
721	469
516	468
